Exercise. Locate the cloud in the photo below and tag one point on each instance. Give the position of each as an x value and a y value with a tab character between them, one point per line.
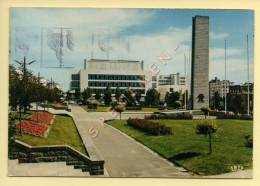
213	35
220	52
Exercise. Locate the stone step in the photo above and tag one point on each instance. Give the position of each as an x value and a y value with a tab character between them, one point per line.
74	163
81	166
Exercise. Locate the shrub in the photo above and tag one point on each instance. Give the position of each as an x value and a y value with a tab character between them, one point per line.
229	116
133	108
88	102
149	127
164	108
169	116
206	110
120	109
177	104
207	127
249	141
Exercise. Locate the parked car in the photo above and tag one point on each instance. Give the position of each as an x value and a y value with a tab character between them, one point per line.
71	102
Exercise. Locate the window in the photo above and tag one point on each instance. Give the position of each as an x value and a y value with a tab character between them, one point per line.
75	76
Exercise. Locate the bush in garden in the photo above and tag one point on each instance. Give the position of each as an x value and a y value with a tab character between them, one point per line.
149	127
133	108
206	110
169	116
177	104
120	109
165	108
207	128
229	116
249	141
88	102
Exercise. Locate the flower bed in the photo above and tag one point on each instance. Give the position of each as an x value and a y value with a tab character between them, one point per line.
56	104
46	114
229	116
133	108
164	108
169	116
31	127
149	127
41	118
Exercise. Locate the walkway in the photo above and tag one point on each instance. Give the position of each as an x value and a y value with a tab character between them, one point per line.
124	157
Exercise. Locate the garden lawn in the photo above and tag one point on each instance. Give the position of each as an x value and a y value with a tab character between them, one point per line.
104	109
63	132
190	150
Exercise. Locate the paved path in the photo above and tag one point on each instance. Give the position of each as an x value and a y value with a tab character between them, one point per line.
124	157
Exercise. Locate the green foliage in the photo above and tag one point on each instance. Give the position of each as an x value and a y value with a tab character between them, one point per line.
206	110
77	93
138	96
86	94
189	150
117	93
152	97
98	95
120	109
177	104
88	102
107	96
129	96
170	98
207	127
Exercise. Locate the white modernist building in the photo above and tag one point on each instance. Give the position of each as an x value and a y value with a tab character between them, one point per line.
98	74
171	83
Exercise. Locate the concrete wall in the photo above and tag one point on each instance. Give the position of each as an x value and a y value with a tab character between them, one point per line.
200	61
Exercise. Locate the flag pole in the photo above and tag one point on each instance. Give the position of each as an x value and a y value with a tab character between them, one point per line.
225	78
247	77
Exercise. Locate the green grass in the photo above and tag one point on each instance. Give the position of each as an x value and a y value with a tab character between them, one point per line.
190	150
63	132
104	109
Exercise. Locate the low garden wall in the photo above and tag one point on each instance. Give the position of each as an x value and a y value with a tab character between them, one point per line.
56	153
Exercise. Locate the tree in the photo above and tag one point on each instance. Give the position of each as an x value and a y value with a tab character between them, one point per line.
77	93
177	104
207	128
118	94
94	105
129	97
68	95
206	110
86	94
138	96
152	97
216	100
98	94
120	109
107	96
170	98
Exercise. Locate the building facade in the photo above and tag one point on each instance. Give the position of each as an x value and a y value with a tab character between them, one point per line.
200	62
98	74
216	85
171	83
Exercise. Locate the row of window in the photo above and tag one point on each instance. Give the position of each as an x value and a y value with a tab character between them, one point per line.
115	77
142	91
114	84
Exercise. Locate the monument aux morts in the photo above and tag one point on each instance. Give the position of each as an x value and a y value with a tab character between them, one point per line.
200	62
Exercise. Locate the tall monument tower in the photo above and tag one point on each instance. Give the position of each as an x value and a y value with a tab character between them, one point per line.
200	62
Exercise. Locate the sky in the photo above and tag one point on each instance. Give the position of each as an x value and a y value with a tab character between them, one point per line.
129	34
